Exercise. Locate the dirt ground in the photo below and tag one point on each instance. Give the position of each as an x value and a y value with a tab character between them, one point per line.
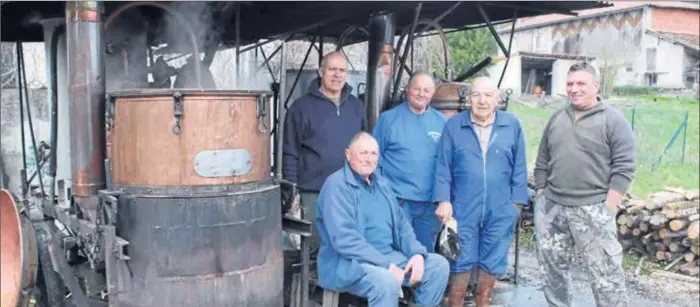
643	290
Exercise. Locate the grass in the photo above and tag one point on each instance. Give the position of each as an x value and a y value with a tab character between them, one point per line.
656	120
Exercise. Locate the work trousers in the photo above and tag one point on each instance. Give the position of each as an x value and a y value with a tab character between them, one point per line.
425	223
381	289
590	230
308	201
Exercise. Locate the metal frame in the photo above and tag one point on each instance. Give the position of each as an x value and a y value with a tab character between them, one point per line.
297	226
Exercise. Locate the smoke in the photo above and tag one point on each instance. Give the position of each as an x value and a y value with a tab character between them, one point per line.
125	57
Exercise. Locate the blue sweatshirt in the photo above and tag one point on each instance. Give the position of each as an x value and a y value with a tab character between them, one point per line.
316	133
408	146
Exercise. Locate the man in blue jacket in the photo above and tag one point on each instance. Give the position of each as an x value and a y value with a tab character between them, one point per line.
408	138
317	128
367	246
481	174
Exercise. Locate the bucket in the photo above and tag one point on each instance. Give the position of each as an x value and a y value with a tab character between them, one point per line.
18	253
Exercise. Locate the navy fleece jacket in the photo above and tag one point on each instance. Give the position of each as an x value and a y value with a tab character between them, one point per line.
316	133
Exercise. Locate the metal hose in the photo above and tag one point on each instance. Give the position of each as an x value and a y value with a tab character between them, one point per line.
168	9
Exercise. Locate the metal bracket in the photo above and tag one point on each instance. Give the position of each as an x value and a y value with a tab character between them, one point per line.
110	112
177	112
463	92
261	112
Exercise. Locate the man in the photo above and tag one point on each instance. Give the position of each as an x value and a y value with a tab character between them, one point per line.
367	246
586	161
317	128
408	137
481	173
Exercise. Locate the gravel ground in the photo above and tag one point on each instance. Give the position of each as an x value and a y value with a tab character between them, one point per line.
643	290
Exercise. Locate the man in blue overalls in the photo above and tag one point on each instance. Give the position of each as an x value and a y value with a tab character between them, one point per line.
481	174
408	138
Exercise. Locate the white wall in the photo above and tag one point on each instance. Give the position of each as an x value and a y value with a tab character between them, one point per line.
511	80
669	61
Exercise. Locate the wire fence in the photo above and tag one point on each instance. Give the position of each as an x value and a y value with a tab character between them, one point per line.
665	136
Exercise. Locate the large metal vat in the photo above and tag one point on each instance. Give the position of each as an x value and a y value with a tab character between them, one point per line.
196	201
201	246
189	137
18	253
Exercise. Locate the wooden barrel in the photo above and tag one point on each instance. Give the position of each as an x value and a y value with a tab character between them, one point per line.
20	260
447	97
188	137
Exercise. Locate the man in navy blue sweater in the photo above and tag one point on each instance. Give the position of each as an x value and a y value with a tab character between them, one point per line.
317	128
408	137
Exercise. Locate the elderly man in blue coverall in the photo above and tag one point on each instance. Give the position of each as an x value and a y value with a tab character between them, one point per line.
481	174
367	245
408	138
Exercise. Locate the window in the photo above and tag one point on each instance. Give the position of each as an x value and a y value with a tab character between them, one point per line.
651	59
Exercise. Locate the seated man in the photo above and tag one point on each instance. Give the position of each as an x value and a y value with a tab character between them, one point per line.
368	247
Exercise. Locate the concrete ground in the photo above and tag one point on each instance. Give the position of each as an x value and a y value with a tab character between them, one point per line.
643	290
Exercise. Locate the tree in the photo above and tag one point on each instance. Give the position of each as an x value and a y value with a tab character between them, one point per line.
611	54
468	48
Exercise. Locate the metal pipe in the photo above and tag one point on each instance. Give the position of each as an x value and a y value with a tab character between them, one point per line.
379	65
188	27
238	43
510	45
86	83
31	124
282	114
474	69
53	74
409	45
18	50
296	79
480	8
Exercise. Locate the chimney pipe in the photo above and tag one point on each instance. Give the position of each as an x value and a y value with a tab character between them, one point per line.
86	71
379	65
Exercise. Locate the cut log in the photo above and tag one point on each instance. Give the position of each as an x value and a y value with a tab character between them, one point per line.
637	232
657	220
678	213
633	220
692	194
686	242
690	257
644	227
636	205
667	234
694	230
624	230
676	247
694	217
673	260
678	224
658	200
660	255
690	269
622	219
695	250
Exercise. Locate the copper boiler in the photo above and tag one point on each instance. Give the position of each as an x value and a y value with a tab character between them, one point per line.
188	137
451	98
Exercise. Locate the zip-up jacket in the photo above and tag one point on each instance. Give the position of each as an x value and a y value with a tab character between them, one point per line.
316	133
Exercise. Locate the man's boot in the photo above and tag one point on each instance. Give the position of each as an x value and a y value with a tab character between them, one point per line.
484	289
458	288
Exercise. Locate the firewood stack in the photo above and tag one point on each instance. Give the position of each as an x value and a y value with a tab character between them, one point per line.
665	229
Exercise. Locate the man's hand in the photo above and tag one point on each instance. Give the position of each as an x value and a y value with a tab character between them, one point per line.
397	272
539	192
613	199
415	266
518	207
444	211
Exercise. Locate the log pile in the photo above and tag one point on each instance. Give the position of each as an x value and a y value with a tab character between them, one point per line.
665	229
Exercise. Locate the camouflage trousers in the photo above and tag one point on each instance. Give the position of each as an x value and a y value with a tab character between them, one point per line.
589	230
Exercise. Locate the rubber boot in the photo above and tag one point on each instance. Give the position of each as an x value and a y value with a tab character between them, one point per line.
458	288
484	289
